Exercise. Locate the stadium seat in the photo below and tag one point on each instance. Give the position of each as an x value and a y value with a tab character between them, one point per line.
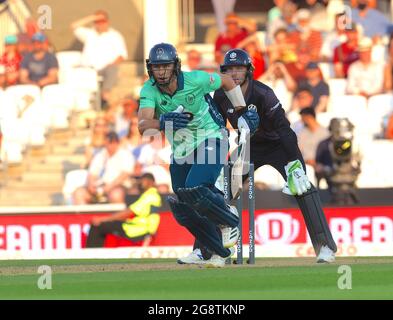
380	105
69	59
377	155
84	83
11	151
58	100
337	88
324	118
34	121
354	107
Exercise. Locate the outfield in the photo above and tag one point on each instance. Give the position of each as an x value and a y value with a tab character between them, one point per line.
286	278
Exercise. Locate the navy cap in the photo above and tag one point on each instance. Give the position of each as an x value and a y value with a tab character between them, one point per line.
39	37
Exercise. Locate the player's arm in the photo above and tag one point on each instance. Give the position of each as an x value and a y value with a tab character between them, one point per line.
146	120
232	91
84	21
119	216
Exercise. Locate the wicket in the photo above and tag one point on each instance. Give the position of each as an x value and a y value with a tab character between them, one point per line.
251	210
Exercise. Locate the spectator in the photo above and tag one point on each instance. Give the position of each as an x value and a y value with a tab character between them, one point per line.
286	21
311	135
139	222
388	71
96	142
302	99
39	67
277	72
365	77
252	45
133	139
375	25
305	36
2	77
107	173
335	38
276	12
104	49
122	119
25	44
346	54
282	49
11	60
318	87
297	69
154	157
237	29
193	61
319	15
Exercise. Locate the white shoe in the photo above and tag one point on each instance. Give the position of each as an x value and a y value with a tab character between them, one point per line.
230	235
217	261
326	255
194	257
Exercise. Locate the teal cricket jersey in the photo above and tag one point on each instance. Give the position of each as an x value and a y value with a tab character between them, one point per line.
190	93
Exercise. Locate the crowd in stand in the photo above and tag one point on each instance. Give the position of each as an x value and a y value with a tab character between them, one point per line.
299	39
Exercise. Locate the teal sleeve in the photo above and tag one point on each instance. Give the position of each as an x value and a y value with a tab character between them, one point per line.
147	98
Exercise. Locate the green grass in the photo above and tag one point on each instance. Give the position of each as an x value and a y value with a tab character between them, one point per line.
369	281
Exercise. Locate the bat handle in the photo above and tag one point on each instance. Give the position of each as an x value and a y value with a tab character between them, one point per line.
179	109
243	136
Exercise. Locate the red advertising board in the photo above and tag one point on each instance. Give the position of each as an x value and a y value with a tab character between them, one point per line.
276	226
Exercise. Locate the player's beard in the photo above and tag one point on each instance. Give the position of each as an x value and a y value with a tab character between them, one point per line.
165	80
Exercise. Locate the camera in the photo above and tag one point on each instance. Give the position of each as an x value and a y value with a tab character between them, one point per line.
342	173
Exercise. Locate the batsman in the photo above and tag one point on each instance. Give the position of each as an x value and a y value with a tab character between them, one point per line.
274	143
178	104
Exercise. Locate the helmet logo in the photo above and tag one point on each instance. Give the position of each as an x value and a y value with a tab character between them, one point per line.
233	55
160	52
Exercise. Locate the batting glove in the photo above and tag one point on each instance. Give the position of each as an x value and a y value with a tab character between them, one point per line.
297	180
178	120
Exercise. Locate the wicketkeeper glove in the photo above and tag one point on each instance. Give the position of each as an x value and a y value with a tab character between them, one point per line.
179	120
248	121
297	180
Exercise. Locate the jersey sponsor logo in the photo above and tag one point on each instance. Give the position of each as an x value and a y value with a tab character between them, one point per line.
252	107
190	99
212	79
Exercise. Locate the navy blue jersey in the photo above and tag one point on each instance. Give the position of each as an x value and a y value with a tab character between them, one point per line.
273	126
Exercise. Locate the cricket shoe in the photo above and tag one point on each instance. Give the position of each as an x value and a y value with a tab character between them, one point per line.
230	235
217	261
326	255
194	257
